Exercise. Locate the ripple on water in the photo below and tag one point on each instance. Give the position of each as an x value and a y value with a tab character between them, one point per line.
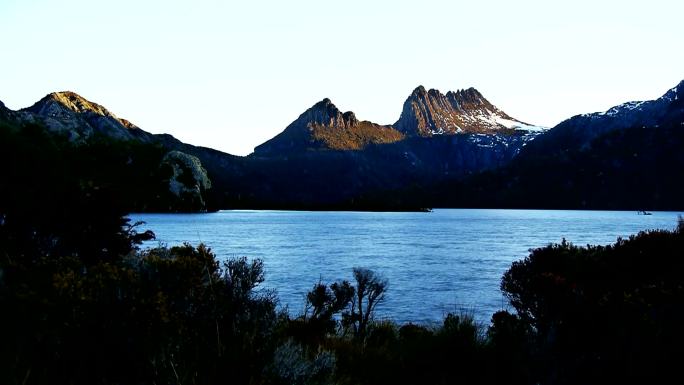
439	262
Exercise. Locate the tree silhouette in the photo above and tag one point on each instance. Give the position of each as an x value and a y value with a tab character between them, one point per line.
370	291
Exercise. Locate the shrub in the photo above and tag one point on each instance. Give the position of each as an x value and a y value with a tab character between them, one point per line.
603	314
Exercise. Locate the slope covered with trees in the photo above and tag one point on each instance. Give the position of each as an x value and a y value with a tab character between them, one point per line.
52	172
82	304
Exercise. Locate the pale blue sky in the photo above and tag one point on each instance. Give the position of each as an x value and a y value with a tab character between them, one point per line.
230	75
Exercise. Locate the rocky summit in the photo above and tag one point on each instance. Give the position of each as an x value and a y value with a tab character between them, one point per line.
69	113
324	126
427	113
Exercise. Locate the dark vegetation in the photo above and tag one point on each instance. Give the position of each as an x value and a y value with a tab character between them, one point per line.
585	163
35	161
383	177
81	304
78	313
628	169
625	169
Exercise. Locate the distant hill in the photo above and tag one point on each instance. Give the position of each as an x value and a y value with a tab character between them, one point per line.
70	114
145	171
578	131
628	157
445	150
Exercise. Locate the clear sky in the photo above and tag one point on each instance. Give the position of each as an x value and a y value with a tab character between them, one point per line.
232	74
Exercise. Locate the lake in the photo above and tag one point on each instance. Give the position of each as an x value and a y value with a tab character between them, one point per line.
448	260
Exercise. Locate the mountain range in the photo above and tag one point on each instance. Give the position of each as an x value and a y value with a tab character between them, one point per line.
628	157
445	150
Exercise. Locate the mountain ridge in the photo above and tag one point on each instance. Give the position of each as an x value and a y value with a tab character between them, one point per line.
329	159
425	113
581	129
429	112
625	158
69	113
324	126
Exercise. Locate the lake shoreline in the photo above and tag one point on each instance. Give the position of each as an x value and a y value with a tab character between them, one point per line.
447	261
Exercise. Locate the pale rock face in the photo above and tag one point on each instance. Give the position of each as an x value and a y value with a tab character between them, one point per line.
189	177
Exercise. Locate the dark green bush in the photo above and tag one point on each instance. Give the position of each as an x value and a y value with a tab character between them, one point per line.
603	314
164	315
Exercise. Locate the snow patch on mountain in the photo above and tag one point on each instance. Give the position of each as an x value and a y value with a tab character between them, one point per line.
622	108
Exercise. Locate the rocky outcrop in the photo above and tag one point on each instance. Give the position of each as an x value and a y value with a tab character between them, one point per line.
70	114
325	127
325	113
427	113
188	180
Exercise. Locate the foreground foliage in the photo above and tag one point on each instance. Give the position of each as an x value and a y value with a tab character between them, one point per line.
605	314
590	315
165	316
81	304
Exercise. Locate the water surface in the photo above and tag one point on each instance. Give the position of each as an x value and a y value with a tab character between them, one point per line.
449	260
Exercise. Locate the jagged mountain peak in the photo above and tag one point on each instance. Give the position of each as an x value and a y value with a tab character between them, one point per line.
325	103
325	106
470	99
469	94
325	113
420	90
428	113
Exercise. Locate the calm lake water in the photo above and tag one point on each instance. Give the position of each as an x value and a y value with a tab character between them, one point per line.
438	262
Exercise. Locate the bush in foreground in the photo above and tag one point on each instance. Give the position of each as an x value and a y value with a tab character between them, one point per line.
162	316
82	305
604	314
